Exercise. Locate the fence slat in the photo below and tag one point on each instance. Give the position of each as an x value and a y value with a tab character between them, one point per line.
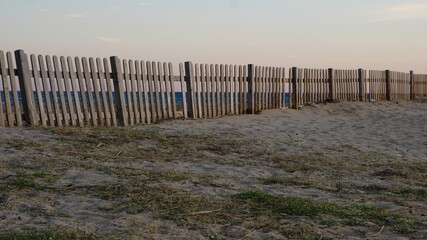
184	92
133	92
119	89
53	87
46	87
74	83
16	105
162	90
151	92
241	91
82	86
208	90
59	74
167	81
214	90
157	91
68	90
140	92
203	90
128	89
146	89
88	77
102	87
6	90
95	86
189	79
26	88
38	87
173	91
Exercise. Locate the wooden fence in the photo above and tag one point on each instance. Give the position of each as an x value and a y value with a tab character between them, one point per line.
65	91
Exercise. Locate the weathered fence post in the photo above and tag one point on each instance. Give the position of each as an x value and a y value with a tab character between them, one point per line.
332	87
189	79
27	93
251	89
119	90
411	85
362	96
388	85
295	93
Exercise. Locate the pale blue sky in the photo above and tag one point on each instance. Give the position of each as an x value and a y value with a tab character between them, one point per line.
373	34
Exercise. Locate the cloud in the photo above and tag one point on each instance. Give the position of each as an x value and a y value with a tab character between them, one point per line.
110	40
292	56
401	12
43	9
145	4
74	15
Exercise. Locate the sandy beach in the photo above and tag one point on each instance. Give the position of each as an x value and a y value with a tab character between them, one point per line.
347	170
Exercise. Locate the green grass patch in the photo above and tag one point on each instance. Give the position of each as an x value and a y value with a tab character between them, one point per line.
37	180
22	144
46	235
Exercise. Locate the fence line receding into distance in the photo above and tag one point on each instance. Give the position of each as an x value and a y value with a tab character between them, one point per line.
65	91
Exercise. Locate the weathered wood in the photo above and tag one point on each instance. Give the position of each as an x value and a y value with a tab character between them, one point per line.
295	95
128	89
151	92
38	85
388	85
145	85
27	94
203	90
102	87
411	85
235	96
208	90
227	89
134	92
74	83
197	98
68	89
140	92
14	85
213	90
332	87
61	89
241	91
222	85
89	89
119	90
166	78
157	92
218	89
361	84
6	89
245	89
162	90
251	86
189	79
183	90
82	85
173	92
46	87
53	87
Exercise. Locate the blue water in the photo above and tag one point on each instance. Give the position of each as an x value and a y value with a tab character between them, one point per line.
178	97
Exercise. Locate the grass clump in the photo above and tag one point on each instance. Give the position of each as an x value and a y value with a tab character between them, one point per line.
46	235
262	203
22	144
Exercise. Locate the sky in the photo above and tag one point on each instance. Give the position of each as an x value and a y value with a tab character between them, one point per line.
343	34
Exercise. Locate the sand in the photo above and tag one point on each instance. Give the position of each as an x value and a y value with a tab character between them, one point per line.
344	153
